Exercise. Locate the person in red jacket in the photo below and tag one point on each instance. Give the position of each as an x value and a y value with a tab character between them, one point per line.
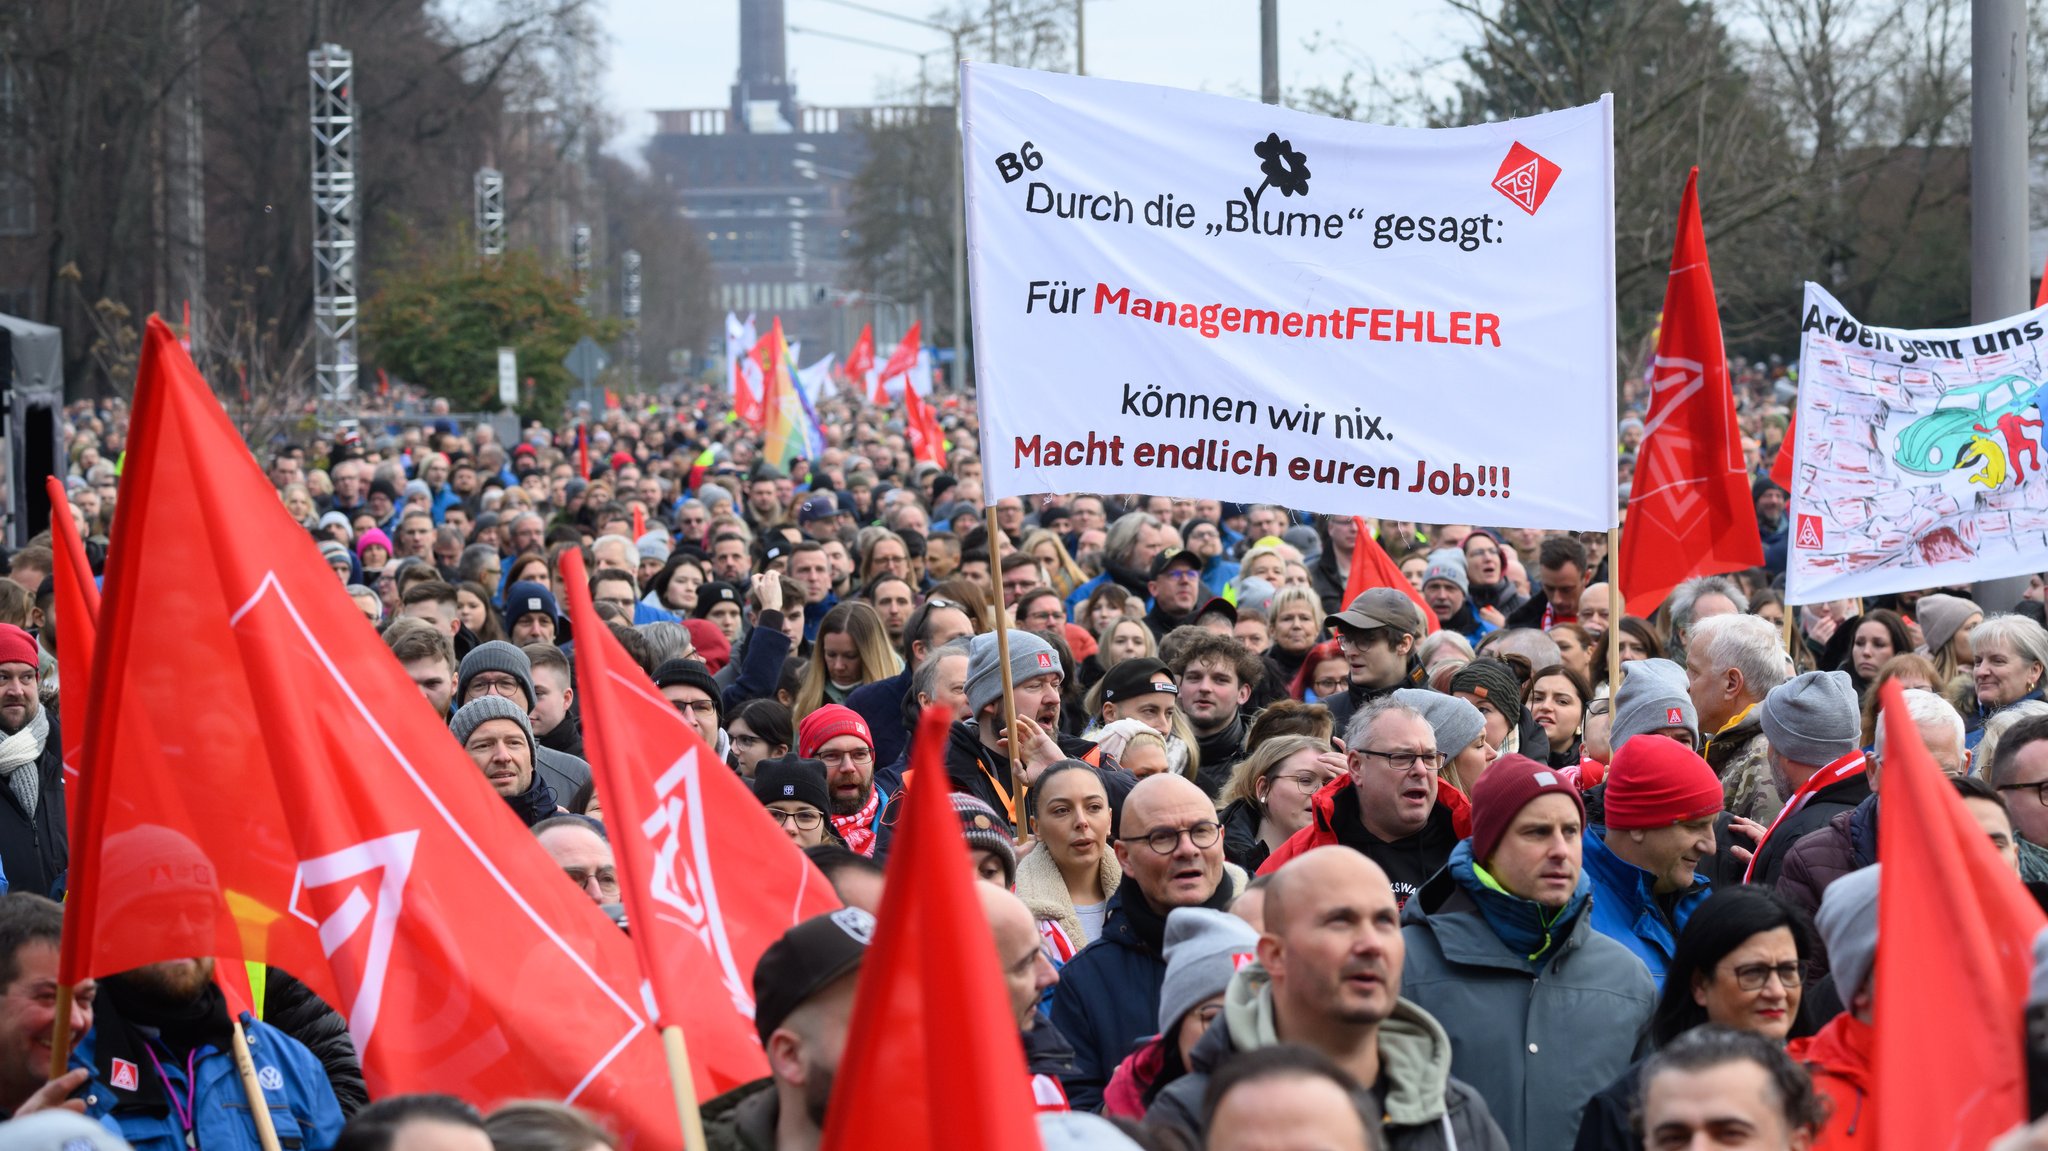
1389	804
1840	1055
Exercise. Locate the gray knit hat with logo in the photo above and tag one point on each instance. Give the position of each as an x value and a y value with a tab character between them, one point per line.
1204	948
1030	657
1653	695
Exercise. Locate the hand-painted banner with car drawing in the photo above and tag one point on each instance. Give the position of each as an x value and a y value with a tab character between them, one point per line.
1918	458
1186	294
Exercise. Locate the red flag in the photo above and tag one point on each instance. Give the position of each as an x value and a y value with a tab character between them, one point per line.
900	362
1781	468
933	1050
1371	566
77	606
708	879
921	426
2041	293
1953	915
273	787
1690	512
861	360
583	451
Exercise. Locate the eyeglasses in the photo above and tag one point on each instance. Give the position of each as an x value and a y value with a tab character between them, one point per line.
607	877
2040	790
1180	575
1166	840
1753	976
700	706
1305	782
858	757
1330	685
1349	639
624	605
1406	760
503	685
804	820
1597	707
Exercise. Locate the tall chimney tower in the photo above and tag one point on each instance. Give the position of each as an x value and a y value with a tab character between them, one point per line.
762	98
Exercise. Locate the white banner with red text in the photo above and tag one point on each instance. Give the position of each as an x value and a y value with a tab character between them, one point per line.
1189	295
1917	455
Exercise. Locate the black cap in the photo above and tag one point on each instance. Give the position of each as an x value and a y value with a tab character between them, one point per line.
808	958
1219	606
792	777
818	506
711	594
1184	557
694	674
1134	677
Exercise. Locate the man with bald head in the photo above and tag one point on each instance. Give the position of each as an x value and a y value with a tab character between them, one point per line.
1028	974
1328	977
1108	996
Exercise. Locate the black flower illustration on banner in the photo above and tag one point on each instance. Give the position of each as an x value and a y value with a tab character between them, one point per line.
1283	167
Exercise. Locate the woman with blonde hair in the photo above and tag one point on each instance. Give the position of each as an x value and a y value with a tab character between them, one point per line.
1945	623
1297	616
852	649
1911	671
1265	561
1125	638
1060	569
1271	795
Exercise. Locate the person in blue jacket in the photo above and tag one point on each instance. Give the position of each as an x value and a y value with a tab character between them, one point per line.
163	1074
1660	802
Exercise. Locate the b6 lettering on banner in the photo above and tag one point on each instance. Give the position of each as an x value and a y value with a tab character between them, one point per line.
1013	165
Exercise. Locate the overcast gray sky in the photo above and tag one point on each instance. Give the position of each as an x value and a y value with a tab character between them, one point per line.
682	53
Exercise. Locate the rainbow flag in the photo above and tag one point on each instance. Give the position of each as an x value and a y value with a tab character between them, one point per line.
790	428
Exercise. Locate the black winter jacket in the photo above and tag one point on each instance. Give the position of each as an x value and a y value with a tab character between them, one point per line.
34	849
291	1007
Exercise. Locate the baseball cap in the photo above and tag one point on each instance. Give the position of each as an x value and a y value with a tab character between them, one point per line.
1137	677
1379	607
818	506
807	959
1182	558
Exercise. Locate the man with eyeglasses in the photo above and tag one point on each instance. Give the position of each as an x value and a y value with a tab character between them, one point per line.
937	622
1501	949
499	669
2019	770
1486	578
1175	588
693	691
1040	609
578	846
836	736
1660	803
1378	633
1330	977
1171	849
1387	806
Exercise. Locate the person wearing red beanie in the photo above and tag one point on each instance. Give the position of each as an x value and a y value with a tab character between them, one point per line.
1661	802
1501	949
837	735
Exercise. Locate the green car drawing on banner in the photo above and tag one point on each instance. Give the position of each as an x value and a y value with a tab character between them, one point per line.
1939	441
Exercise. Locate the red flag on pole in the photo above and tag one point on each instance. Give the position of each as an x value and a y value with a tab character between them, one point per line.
861	360
583	451
900	362
1689	513
273	787
1951	914
921	427
708	879
1371	567
76	603
933	1050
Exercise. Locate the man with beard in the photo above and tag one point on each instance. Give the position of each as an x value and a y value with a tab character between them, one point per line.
1134	541
163	1069
499	739
838	737
803	1004
33	846
1328	977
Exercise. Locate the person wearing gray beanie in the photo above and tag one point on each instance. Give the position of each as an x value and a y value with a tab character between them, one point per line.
1810	724
493	656
1653	701
1030	658
505	754
1204	948
1458	726
1848	926
1941	618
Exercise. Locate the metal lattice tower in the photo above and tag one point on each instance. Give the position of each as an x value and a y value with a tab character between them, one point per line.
629	267
332	72
490	212
579	263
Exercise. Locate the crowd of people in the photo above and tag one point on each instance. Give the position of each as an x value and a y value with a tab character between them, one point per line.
1262	863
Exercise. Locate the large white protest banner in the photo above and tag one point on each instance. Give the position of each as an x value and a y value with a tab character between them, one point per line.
1917	457
1185	294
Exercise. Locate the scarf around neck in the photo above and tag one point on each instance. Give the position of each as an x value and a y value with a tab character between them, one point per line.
22	749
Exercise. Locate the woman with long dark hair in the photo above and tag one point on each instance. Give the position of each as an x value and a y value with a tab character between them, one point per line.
1740	962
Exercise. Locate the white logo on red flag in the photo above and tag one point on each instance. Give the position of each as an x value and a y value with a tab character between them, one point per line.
1810	537
689	886
349	909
